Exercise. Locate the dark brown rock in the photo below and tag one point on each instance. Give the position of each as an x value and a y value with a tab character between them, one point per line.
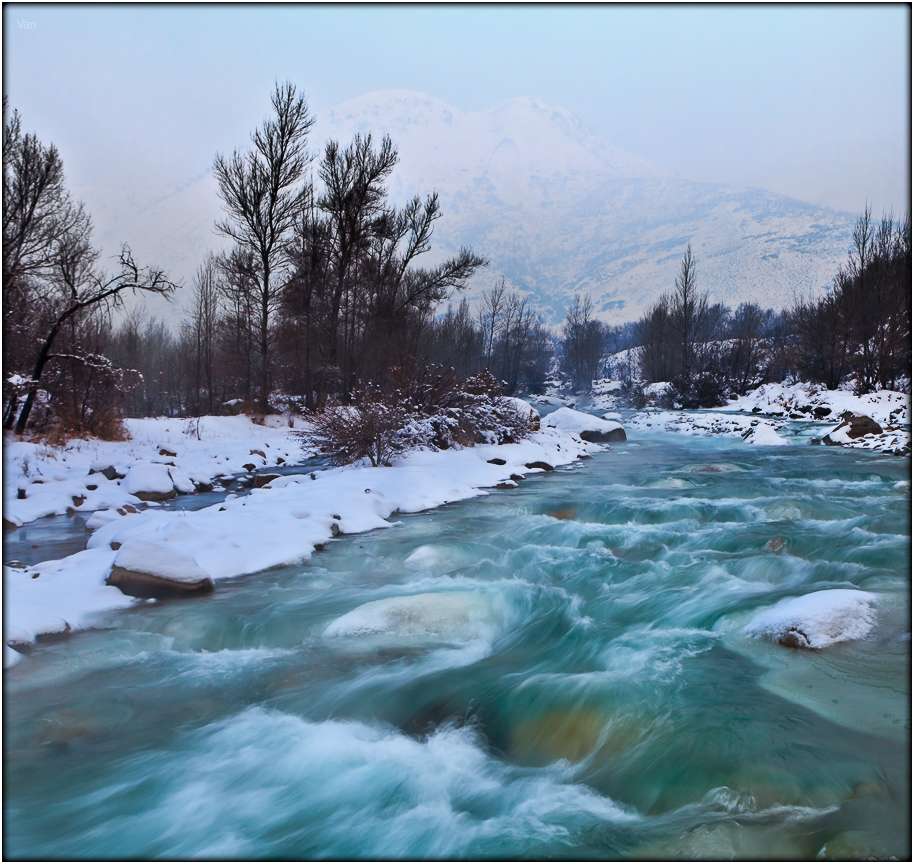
860	425
545	466
794	638
821	411
79	500
505	486
259	453
157	496
496	461
775	544
261	480
250	466
145	585
164	451
604	437
109	473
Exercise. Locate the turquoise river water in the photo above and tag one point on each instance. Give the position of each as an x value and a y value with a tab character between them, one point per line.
555	671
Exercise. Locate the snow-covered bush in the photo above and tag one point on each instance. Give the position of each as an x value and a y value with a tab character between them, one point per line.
434	409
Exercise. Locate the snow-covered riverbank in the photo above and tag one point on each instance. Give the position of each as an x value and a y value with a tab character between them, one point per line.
279	524
759	416
39	480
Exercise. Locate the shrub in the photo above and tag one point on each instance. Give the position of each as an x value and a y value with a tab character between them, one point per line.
433	409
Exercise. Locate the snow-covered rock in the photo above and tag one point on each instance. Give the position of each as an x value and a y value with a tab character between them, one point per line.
144	568
150	482
816	620
763	434
448	616
585	426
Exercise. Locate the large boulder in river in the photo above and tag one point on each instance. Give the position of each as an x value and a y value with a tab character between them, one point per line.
150	481
816	620
852	426
585	426
144	568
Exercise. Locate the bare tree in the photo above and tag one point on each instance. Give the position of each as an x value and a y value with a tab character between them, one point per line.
689	310
201	327
582	340
78	288
264	195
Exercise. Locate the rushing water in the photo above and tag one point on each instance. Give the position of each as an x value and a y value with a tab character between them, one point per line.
488	680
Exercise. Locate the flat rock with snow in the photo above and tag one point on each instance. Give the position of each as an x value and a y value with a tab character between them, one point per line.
144	568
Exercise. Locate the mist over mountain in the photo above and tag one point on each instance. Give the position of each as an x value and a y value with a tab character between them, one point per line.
558	211
555	209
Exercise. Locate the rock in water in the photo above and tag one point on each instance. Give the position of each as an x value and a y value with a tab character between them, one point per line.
261	480
852	426
145	569
585	426
816	620
150	482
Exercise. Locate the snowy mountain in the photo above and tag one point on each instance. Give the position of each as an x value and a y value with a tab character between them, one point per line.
555	209
558	211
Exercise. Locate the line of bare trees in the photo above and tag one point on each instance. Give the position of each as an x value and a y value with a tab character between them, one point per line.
859	331
505	336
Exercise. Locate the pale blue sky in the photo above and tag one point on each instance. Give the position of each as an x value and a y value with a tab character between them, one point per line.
809	101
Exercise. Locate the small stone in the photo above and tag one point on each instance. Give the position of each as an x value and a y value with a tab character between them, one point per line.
545	466
259	453
496	461
775	544
21	494
335	529
250	466
164	451
794	638
79	500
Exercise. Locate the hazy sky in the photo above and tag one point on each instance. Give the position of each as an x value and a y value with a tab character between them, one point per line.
809	101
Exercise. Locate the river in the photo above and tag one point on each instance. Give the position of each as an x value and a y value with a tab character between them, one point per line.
558	670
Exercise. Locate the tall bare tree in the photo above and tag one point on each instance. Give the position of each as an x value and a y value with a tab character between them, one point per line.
263	191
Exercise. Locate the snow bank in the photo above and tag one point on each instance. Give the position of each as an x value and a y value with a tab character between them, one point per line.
886	407
54	480
58	595
273	526
816	620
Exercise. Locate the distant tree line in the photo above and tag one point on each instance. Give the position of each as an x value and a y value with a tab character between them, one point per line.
859	331
321	299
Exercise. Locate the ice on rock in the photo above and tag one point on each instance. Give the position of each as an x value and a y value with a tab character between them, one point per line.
455	615
816	620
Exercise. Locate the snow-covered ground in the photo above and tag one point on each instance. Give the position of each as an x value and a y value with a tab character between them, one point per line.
761	414
278	524
886	407
39	480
